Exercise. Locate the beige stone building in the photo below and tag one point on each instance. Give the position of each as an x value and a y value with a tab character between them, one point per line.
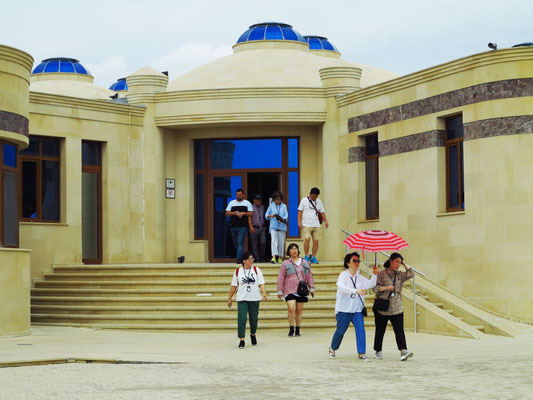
143	173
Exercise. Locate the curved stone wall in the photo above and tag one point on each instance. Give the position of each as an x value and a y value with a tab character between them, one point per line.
15	68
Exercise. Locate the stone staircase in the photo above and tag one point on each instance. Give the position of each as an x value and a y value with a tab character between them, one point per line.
169	297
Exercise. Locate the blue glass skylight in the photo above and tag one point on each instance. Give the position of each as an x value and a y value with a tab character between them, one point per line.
271	31
120	85
320	43
60	65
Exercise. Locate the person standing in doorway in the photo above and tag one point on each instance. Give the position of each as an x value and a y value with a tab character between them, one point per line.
311	214
277	214
258	235
239	210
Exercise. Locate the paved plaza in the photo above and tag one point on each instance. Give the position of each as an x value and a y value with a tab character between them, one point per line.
130	365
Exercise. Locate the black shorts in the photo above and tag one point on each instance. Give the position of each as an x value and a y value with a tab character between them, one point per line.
299	299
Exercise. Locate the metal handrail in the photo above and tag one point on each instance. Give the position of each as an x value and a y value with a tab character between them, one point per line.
414	276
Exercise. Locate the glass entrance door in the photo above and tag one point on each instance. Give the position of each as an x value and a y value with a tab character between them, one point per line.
223	190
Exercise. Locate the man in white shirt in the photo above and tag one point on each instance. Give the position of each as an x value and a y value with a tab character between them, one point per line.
310	215
239	210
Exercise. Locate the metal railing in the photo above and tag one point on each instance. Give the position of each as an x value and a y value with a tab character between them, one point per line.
376	263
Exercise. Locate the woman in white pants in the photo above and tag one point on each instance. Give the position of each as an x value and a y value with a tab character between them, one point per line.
277	214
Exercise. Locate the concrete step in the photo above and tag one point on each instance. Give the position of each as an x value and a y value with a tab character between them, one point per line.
184	327
213	319
172	309
177	286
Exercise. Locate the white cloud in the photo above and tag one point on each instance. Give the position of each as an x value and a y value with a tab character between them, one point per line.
109	70
188	57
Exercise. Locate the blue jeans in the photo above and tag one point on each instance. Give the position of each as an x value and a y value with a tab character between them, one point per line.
239	234
343	322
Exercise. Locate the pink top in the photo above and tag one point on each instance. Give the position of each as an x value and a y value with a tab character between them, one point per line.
288	279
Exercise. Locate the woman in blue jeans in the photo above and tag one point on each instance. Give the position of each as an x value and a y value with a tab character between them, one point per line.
351	291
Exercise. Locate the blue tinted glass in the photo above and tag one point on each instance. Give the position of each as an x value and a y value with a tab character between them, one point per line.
199	192
112	87
66	66
244	36
258	33
294	200
39	68
300	37
273	32
10	155
52	66
80	69
327	45
293	153
314	44
289	34
121	85
246	154
236	183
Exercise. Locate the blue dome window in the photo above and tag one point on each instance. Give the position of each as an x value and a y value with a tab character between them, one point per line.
119	85
320	43
60	65
271	31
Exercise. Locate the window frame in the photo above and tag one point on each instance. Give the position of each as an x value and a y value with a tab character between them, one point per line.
458	143
38	159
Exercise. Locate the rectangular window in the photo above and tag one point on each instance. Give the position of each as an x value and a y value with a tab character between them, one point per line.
39	183
372	177
454	164
9	225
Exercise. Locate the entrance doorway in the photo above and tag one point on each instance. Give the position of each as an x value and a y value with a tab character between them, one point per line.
223	165
91	204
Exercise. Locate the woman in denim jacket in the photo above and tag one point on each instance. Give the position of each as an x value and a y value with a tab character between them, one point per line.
291	272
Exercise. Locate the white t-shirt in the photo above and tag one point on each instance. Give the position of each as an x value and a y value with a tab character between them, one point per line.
347	299
309	217
251	278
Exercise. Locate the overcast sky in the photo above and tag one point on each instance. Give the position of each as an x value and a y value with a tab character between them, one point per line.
114	38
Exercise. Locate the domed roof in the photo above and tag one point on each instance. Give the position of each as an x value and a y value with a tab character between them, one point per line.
320	43
60	65
271	31
120	85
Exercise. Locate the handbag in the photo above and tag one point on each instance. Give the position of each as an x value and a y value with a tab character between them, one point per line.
383	304
303	288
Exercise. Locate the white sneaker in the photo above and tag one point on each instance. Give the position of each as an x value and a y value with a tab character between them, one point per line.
379	355
331	353
405	354
363	357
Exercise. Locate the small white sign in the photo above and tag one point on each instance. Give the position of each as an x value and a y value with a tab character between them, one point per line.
170	193
170	183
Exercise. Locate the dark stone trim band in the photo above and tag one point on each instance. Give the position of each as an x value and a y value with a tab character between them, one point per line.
15	123
445	101
498	127
356	154
418	141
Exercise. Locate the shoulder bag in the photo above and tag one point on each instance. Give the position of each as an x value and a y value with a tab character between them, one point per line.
319	215
303	288
383	304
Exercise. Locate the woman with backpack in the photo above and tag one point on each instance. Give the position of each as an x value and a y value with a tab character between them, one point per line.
249	284
295	282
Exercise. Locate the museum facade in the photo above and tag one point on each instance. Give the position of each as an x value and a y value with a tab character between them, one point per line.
142	172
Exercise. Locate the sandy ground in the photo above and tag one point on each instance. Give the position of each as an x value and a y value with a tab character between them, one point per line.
209	366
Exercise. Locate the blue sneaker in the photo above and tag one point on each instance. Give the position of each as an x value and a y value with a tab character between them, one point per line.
314	260
307	259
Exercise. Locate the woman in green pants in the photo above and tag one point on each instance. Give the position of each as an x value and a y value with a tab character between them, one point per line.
249	283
